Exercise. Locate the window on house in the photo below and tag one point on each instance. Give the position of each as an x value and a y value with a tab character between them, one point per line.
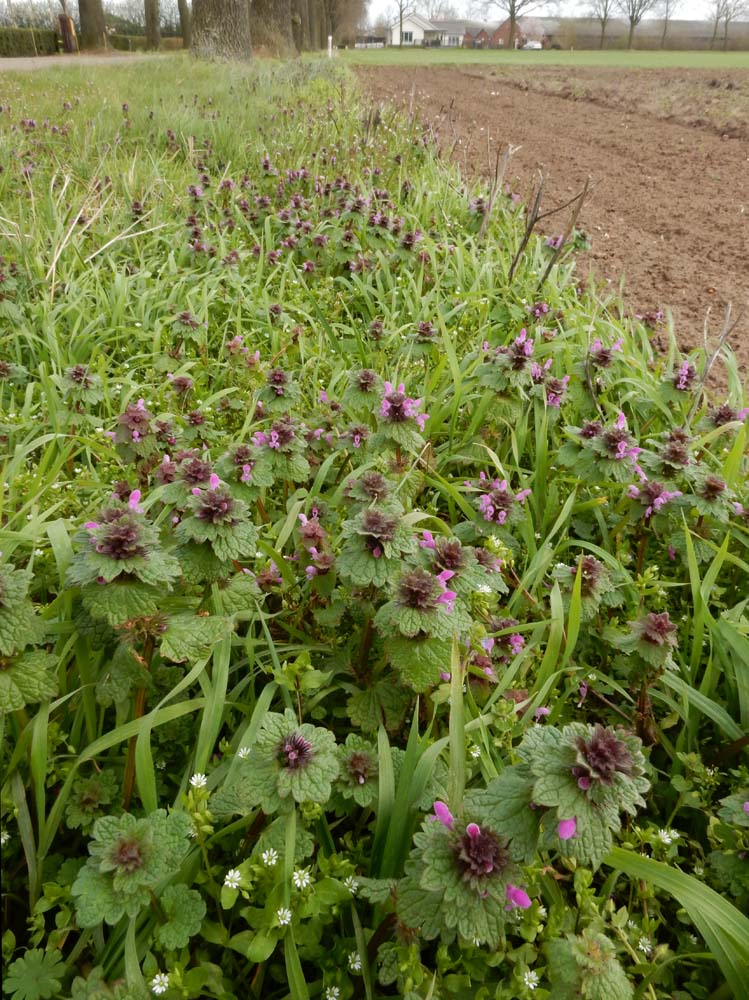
408	37
453	40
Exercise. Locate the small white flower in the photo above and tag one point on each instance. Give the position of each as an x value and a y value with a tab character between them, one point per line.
302	878
351	884
645	945
283	916
692	938
530	979
269	857
332	993
476	942
198	781
475	752
4	838
699	871
243	753
160	983
631	924
354	961
667	836
542	911
233	878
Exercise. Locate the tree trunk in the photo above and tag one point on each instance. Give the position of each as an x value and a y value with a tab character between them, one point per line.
603	33
663	36
300	24
315	25
185	26
511	39
715	34
93	29
725	36
221	29
153	26
270	25
630	40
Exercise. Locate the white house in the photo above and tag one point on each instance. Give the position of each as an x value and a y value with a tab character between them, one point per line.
417	30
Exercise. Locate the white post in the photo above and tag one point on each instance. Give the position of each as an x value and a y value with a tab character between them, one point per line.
330	46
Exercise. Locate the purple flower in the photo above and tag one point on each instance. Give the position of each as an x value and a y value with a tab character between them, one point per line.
443	814
601	356
745	807
133	502
567	828
654	496
517	897
497	505
540	712
555	242
397	408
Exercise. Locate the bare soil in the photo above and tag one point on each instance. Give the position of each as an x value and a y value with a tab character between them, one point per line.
667	151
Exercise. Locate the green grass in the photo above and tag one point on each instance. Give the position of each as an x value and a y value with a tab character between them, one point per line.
594	58
118	277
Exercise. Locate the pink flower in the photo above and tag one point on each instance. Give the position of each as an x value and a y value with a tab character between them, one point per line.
427	540
745	807
133	501
214	482
516	897
567	828
443	814
473	830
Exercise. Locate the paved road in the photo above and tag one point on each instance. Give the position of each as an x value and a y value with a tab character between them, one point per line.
26	63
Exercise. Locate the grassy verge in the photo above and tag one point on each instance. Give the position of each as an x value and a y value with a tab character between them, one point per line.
372	598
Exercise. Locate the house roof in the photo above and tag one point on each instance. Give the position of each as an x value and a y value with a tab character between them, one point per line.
459	27
418	20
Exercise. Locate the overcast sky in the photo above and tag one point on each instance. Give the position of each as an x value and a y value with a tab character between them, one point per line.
687	9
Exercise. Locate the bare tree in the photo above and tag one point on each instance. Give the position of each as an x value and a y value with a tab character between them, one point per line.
185	23
93	30
153	24
715	16
221	29
668	9
602	10
732	11
440	10
634	11
514	10
403	9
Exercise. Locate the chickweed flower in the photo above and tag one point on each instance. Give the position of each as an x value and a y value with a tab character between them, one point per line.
354	961
269	857
530	979
283	916
198	781
302	878
232	879
160	983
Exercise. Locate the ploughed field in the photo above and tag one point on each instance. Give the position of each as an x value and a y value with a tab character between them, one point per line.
667	151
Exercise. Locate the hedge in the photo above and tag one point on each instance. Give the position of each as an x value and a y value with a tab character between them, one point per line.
27	42
132	43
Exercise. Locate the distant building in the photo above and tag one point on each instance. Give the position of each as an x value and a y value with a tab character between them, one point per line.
414	30
554	32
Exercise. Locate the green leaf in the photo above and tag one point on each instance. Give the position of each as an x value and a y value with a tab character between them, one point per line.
37	975
419	661
185	909
724	928
120	602
29	679
191	637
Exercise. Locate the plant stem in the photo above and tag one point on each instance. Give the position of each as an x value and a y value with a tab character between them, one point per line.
139	708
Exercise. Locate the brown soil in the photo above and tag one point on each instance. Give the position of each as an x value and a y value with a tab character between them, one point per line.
668	154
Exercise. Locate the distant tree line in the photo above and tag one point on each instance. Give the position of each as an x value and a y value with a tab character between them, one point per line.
212	28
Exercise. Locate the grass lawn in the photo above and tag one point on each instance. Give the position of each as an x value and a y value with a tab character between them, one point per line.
608	58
